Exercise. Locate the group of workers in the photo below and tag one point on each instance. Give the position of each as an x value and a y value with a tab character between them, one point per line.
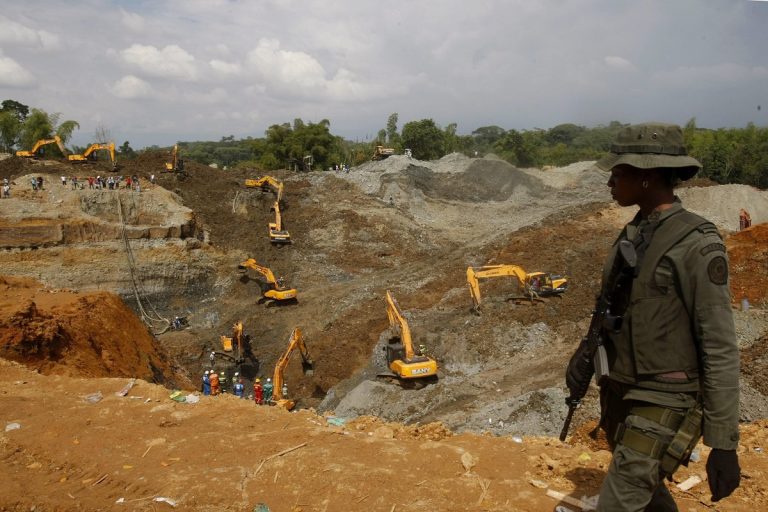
215	384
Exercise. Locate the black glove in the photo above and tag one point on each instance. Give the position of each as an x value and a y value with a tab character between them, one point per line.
723	473
579	372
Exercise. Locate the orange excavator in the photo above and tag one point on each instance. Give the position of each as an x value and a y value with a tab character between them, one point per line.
307	366
273	289
228	344
32	153
97	146
402	359
277	234
534	285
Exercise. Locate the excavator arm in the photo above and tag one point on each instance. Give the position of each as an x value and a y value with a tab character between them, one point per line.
401	357
97	146
40	143
277	290
307	365
548	284
228	344
278	235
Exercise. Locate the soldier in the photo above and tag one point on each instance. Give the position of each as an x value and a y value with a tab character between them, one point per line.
671	345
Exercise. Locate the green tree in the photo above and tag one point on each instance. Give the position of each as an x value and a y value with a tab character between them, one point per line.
19	110
392	135
65	130
126	151
424	138
10	130
38	125
450	139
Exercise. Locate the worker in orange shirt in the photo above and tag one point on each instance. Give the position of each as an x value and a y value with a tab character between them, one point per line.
215	388
745	220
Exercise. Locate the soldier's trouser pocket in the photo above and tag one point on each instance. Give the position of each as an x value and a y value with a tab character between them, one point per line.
635	474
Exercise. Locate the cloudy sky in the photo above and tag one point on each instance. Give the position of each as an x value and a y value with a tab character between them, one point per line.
157	72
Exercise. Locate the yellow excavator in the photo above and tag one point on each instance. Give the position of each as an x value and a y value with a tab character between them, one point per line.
380	153
277	235
97	146
176	164
273	290
402	359
228	344
307	366
534	285
32	153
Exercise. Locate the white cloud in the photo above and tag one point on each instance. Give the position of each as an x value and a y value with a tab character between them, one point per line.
12	74
170	62
226	68
132	20
300	74
15	33
615	62
295	70
131	87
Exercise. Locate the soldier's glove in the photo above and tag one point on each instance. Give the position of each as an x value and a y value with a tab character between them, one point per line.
579	372
723	473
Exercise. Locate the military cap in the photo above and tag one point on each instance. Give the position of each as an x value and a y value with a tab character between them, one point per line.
651	146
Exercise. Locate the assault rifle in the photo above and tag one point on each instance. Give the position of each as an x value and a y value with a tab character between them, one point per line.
591	358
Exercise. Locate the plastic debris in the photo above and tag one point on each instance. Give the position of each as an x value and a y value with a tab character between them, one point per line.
94	398
261	507
192	399
120	500
12	426
126	388
584	457
335	421
165	500
517	439
177	396
758	449
696	455
689	483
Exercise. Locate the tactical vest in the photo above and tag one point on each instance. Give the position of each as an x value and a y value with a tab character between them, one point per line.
656	336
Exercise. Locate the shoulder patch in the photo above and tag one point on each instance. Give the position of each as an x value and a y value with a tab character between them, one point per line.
718	270
712	248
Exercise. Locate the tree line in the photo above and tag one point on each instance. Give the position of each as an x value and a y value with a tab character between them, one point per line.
729	155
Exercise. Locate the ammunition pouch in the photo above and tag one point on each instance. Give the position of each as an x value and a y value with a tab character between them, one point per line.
687	429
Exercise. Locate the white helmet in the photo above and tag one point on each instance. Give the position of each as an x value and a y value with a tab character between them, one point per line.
269	380
207	372
236	374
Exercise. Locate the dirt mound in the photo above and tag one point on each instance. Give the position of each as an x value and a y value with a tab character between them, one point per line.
748	253
147	452
482	181
64	332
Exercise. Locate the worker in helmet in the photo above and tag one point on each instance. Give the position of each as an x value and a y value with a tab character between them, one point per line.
258	392
239	388
214	378
222	382
206	383
212	357
235	380
268	389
